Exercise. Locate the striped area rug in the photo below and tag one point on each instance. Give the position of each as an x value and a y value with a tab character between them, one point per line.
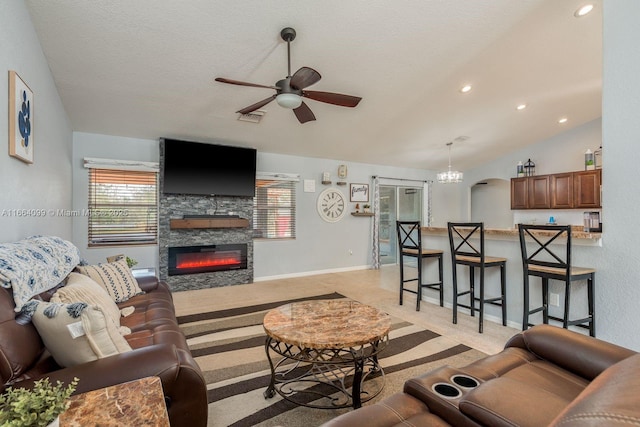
228	345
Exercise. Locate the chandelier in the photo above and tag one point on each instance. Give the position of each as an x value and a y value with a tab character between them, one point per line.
449	176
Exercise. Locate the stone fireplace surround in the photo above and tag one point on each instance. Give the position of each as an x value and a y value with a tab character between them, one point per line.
175	206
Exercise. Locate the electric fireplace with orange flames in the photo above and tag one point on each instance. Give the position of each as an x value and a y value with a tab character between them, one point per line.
209	258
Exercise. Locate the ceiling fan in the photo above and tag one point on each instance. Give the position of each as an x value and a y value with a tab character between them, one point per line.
290	90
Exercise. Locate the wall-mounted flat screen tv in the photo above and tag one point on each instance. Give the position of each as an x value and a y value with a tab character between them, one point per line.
208	169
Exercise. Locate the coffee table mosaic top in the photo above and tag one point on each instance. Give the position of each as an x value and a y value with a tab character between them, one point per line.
322	324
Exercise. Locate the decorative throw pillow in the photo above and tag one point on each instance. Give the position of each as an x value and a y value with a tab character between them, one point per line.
77	333
115	277
81	288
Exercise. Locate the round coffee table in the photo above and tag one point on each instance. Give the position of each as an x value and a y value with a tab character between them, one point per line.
328	348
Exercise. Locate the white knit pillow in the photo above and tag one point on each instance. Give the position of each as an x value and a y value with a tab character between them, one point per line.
81	288
115	277
77	333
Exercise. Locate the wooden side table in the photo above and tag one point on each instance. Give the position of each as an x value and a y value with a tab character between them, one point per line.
135	403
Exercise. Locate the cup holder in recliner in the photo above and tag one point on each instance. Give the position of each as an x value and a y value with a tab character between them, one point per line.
465	381
446	390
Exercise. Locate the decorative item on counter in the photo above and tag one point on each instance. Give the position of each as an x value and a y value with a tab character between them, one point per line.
552	221
366	208
326	177
529	168
592	222
589	160
597	157
519	169
357	207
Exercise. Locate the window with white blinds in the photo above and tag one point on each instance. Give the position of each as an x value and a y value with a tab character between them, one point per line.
274	207
123	207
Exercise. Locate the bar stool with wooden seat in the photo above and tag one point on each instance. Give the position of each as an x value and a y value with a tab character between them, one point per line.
544	262
410	245
463	252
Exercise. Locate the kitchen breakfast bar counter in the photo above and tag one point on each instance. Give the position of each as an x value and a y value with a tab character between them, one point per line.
501	242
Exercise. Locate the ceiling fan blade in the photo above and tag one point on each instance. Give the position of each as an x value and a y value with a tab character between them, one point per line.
304	113
239	83
304	77
332	98
257	105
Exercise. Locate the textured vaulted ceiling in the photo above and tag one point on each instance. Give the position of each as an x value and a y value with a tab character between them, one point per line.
145	68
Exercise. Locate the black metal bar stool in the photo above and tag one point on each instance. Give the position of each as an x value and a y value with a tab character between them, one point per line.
463	252
544	262
410	244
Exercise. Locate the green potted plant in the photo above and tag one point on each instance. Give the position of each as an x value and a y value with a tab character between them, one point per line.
39	406
366	208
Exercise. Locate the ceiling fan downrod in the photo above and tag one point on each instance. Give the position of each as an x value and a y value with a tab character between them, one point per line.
288	34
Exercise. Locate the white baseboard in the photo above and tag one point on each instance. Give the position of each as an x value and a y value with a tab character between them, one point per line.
311	273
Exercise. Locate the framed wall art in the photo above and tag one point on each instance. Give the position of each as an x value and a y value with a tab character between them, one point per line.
359	192
20	119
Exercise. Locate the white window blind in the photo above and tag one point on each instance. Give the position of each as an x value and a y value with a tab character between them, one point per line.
123	207
274	206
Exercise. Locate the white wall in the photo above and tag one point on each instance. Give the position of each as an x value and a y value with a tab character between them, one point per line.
562	153
319	245
45	184
108	147
619	277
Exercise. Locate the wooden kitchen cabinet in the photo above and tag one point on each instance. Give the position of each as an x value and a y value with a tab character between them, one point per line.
570	190
539	197
562	190
519	193
586	189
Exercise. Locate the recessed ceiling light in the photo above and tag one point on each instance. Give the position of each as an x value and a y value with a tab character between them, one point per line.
521	107
465	88
563	120
583	10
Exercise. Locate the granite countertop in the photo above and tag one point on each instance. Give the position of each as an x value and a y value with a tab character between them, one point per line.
576	232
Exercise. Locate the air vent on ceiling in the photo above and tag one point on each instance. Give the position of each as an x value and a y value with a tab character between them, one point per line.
252	117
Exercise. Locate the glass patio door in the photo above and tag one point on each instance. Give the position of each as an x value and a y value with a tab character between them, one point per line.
396	203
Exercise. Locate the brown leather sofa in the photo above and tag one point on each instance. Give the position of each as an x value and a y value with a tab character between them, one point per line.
159	349
545	376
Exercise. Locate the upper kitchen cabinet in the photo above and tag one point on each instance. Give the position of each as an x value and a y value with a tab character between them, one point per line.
570	190
539	194
561	190
519	193
586	189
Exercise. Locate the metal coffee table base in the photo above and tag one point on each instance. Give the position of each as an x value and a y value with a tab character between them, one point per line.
304	375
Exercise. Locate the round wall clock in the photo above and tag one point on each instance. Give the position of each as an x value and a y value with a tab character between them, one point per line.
331	205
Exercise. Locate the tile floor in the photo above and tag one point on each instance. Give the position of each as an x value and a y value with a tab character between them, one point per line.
378	288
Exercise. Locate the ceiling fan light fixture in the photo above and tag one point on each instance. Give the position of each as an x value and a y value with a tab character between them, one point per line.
449	176
289	100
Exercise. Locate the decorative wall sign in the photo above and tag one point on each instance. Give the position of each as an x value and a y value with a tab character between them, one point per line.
20	119
359	192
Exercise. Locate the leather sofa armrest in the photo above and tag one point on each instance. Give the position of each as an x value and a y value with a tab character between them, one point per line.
580	354
611	399
148	283
182	382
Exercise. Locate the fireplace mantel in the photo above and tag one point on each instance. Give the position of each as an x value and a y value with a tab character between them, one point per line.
191	223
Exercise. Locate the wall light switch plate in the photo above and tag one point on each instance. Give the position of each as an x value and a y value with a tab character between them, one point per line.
309	185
